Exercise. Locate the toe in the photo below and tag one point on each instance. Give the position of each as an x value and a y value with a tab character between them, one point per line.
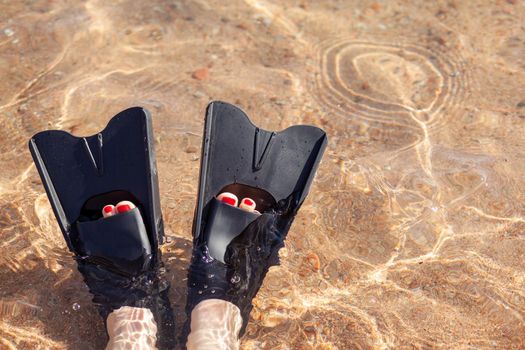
228	198
247	204
108	210
124	206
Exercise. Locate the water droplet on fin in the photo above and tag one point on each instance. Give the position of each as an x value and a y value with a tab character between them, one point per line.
235	279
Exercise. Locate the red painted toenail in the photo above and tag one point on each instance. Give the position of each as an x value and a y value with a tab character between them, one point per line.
248	202
108	209
228	200
123	208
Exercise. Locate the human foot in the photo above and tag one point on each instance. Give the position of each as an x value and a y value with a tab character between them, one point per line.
121	207
123	275
246	204
214	322
248	256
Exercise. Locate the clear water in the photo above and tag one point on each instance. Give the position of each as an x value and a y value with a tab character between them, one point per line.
413	233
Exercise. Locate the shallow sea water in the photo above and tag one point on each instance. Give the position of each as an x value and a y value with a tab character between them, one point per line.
413	236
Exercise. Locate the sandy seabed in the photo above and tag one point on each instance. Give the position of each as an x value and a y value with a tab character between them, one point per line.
413	236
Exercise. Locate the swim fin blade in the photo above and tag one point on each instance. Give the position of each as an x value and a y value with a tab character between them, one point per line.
118	256
82	174
234	248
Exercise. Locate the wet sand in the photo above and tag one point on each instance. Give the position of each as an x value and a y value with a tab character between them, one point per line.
413	236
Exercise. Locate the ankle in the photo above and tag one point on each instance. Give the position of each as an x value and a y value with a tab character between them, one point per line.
216	314
216	323
131	325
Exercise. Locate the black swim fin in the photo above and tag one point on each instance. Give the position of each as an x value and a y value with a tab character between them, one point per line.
118	256
233	249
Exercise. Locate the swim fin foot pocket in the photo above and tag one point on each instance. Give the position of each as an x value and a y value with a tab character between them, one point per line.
99	238
233	248
118	256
